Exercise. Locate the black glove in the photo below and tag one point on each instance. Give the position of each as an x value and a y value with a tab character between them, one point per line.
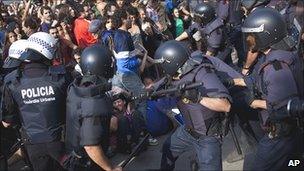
248	96
181	88
228	82
191	96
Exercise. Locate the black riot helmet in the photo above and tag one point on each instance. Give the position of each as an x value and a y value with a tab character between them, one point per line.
171	55
97	60
204	13
250	4
268	28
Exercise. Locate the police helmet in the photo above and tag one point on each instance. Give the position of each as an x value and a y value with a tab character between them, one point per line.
250	4
40	45
97	60
15	51
267	27
204	13
171	56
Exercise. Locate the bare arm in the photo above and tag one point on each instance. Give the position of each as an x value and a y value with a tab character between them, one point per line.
181	37
27	8
259	104
150	61
143	63
69	43
251	57
239	82
209	53
185	11
216	104
97	155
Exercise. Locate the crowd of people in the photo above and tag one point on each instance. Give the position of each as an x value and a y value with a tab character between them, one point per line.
58	57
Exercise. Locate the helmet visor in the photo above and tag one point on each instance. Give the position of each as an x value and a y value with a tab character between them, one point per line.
253	29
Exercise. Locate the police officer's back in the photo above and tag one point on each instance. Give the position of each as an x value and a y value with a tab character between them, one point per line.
37	93
89	110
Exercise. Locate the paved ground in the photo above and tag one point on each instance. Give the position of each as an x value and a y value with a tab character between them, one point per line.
150	159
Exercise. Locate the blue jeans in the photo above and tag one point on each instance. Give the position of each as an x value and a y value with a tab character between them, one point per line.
207	148
132	83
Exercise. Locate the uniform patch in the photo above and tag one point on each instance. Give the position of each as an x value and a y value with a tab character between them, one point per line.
38	94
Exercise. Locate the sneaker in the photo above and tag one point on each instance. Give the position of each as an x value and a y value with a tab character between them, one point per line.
152	141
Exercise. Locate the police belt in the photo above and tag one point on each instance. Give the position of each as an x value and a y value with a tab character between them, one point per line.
208	123
193	133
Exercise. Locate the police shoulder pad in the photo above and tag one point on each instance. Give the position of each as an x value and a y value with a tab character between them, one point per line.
60	69
213	26
12	76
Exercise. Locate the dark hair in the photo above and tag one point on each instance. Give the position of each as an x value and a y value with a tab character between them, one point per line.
109	5
45	8
54	26
132	11
118	17
31	23
7	44
80	8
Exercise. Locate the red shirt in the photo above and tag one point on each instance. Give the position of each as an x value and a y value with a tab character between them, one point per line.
83	37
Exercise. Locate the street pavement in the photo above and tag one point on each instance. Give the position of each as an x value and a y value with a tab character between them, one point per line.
150	159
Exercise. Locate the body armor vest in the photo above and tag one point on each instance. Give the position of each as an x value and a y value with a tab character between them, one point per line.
41	103
85	102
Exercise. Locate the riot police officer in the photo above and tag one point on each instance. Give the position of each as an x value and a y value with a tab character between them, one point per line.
279	79
37	95
89	110
11	63
249	6
293	15
206	30
201	107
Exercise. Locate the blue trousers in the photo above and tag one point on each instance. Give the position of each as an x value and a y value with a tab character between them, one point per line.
207	148
275	154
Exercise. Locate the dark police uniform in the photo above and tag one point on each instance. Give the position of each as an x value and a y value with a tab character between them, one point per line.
38	95
293	16
88	117
211	34
278	80
233	21
199	121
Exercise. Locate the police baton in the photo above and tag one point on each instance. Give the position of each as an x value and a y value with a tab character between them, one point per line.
169	91
136	150
234	137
